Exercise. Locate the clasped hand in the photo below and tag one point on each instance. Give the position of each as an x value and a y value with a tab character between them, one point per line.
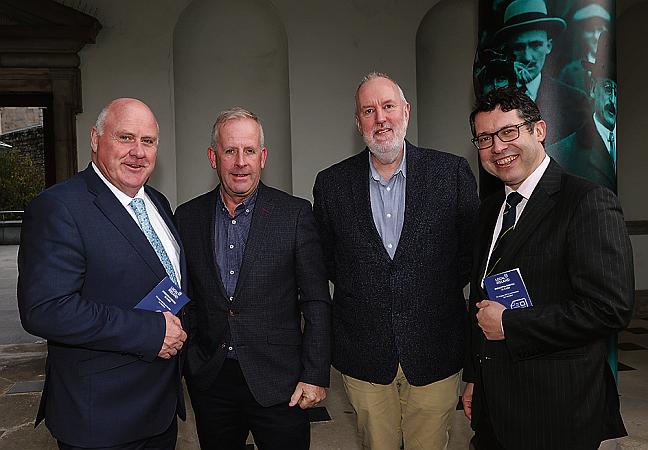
489	318
174	337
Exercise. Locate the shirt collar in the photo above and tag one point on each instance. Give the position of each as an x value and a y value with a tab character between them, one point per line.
533	86
528	186
604	132
402	167
124	199
246	206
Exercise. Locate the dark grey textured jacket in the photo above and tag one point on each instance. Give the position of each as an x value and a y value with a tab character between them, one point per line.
282	277
410	309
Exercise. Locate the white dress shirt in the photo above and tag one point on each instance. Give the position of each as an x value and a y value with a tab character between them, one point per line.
533	87
525	190
161	229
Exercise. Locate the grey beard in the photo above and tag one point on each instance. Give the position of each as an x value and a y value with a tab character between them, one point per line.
386	155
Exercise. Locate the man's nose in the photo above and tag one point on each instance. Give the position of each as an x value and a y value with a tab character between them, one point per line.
138	150
528	54
380	115
498	145
239	159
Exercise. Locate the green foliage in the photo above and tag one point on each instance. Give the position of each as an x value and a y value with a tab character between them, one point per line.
20	180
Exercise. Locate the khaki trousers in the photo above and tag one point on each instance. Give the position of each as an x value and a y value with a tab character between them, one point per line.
388	415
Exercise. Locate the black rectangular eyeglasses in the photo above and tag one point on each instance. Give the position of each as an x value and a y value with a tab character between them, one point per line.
506	134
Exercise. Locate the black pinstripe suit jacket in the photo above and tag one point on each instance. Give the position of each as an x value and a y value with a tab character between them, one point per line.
409	310
548	385
282	276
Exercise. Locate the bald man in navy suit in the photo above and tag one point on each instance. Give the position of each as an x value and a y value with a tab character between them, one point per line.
112	372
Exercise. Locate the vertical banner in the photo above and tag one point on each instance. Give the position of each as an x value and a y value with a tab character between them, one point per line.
562	53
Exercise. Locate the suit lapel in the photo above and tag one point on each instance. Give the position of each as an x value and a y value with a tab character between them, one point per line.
416	188
259	234
108	204
600	158
538	206
362	204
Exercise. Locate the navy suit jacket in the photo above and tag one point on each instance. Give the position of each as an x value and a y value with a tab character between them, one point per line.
282	278
410	310
548	384
83	265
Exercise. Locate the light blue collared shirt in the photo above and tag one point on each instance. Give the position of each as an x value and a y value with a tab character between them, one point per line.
388	204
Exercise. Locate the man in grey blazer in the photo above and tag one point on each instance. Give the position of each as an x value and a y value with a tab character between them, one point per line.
538	377
396	223
255	269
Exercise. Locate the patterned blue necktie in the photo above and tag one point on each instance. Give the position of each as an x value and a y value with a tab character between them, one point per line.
145	224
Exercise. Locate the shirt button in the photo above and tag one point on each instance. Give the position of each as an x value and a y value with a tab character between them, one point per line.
247	210
388	188
389	245
388	215
232	272
231	299
231	245
230	347
234	222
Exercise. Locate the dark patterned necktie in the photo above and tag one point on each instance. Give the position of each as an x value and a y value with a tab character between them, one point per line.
612	149
508	225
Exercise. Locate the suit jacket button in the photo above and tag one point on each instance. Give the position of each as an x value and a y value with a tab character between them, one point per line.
233	312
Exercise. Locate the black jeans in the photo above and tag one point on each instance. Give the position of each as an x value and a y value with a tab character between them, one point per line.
163	441
227	411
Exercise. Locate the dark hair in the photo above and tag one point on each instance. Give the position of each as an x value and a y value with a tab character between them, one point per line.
508	99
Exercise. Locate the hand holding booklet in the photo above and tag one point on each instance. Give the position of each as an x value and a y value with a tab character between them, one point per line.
508	289
166	296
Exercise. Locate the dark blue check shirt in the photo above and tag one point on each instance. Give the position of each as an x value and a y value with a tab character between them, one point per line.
230	237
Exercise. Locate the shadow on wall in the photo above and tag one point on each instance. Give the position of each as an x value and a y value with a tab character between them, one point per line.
215	67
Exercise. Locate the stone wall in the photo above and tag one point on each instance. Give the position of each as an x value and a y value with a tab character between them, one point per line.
28	141
16	118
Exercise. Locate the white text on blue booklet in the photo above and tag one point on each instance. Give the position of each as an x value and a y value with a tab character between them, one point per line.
508	289
166	296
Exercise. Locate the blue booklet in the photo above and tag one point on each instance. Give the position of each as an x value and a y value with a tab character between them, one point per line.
166	296
508	289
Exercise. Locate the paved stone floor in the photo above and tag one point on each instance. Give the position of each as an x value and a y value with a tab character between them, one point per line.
22	360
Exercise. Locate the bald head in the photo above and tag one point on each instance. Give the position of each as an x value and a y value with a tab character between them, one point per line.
124	144
119	104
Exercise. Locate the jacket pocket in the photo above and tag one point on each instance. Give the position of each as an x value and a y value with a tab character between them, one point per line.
104	363
285	337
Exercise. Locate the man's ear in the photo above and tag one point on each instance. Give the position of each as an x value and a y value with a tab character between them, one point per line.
549	45
94	139
540	130
211	154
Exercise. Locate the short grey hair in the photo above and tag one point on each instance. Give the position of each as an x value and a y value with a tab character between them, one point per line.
234	113
370	76
101	120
